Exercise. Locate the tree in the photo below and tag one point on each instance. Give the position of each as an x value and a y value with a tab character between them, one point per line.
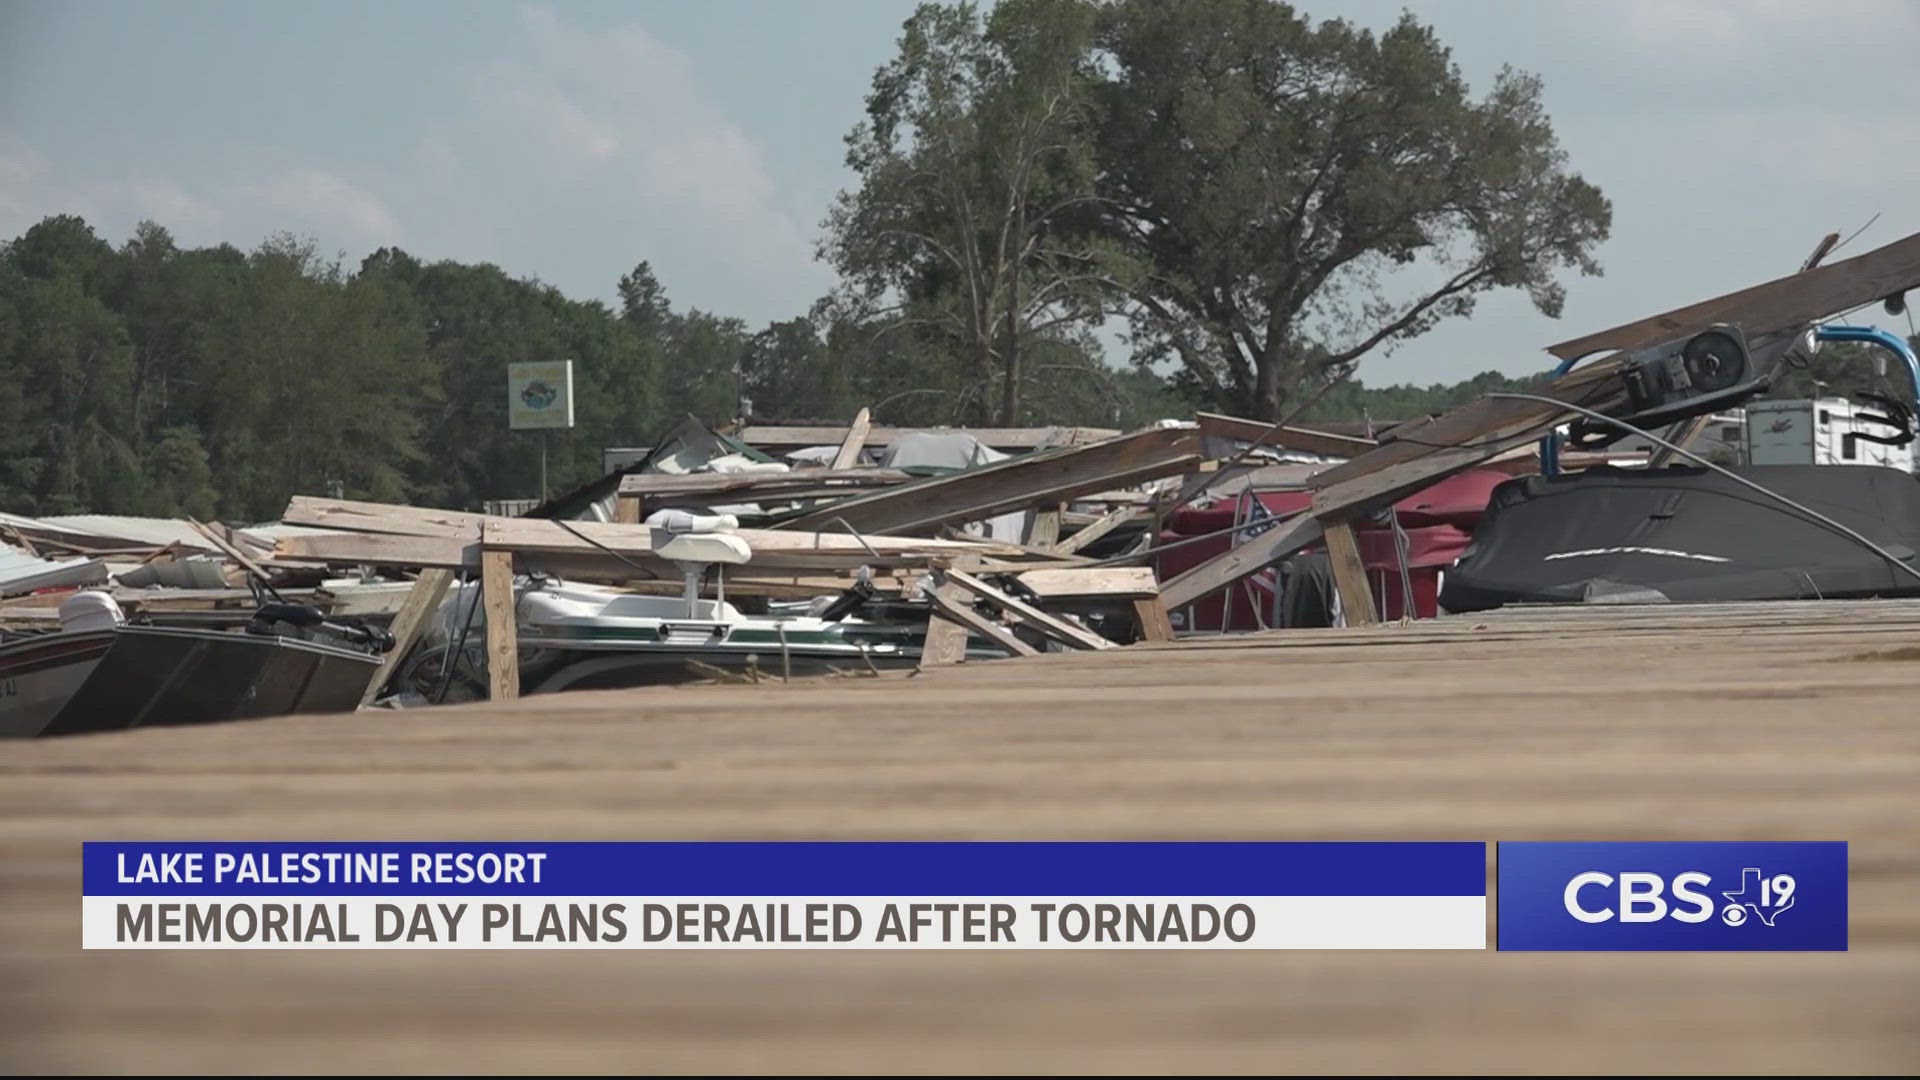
976	172
1304	194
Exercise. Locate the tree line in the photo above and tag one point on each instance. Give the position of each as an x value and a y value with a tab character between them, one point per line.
1248	201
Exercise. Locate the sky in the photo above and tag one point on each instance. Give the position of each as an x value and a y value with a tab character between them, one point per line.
569	141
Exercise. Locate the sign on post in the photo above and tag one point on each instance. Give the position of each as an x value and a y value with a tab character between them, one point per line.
540	395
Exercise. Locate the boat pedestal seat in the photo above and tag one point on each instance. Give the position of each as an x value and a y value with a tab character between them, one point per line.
693	543
704	549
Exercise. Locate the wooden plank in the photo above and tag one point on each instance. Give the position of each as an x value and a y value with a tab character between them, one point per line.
1044	533
855	440
1243	560
627	508
780	550
831	481
231	550
946	640
423	601
1154	624
796	586
1040	479
1290	437
1784	302
795	437
955	607
1060	629
503	645
1382	736
379	549
381	518
1350	574
1067	583
1100	527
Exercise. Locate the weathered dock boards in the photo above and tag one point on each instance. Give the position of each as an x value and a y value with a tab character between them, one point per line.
1720	721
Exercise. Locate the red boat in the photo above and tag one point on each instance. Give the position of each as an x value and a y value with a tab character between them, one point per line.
1438	522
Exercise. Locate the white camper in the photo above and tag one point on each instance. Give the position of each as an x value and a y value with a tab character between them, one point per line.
1822	431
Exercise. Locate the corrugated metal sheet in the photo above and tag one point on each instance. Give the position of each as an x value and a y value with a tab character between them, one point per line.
133	531
21	573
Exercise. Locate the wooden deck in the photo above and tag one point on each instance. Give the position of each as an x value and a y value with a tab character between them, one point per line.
1753	721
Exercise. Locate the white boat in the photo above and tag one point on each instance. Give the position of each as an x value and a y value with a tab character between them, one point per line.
575	636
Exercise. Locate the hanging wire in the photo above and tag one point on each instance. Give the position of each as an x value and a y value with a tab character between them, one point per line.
1856	232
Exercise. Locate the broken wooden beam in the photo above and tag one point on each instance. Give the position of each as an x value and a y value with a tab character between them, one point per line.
1034	481
949	603
1151	614
1782	303
946	638
854	441
1349	574
423	602
1242	560
1287	437
1060	629
503	644
1100	527
800	436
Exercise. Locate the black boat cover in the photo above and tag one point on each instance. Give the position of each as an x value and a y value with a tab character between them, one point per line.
1610	535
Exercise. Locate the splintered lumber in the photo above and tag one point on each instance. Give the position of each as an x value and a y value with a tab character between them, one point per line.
1288	437
948	603
1350	575
1036	480
503	646
1778	304
795	437
855	440
1060	629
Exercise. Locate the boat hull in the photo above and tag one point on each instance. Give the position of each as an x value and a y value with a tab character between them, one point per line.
39	675
155	675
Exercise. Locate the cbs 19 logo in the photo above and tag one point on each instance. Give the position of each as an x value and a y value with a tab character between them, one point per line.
1635	896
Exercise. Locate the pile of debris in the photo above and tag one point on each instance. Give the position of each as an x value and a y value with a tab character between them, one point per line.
940	550
151	565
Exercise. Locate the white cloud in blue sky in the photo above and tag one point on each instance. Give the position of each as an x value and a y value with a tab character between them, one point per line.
569	141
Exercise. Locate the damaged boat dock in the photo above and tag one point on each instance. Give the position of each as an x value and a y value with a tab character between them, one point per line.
1778	721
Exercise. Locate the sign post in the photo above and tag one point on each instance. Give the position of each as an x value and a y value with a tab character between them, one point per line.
540	398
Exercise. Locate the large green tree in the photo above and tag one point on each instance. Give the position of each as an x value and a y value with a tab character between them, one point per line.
1302	194
976	171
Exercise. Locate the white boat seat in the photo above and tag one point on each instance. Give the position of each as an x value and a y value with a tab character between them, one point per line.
704	548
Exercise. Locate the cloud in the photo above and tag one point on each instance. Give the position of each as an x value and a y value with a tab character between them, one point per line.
321	200
299	200
570	154
626	120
